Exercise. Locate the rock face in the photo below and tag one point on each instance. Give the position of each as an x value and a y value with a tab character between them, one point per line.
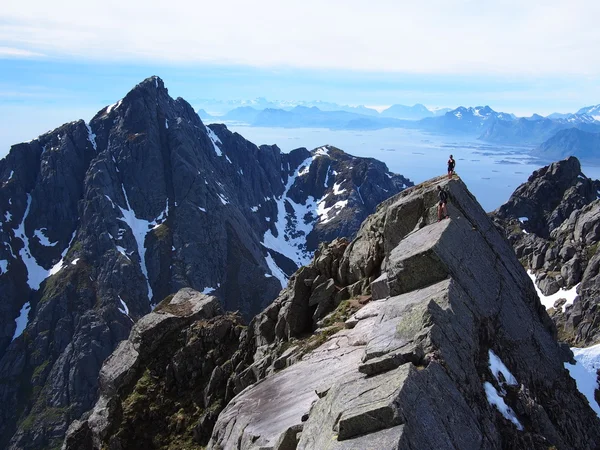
141	403
453	320
102	220
553	224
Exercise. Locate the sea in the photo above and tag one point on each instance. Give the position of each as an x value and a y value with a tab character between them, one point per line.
491	172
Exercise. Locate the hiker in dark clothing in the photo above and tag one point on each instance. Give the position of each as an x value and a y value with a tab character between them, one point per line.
451	164
443	197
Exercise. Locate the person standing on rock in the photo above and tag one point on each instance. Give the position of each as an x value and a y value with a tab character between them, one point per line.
451	164
443	197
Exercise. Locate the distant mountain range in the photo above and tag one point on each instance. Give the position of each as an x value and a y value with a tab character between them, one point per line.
480	122
571	142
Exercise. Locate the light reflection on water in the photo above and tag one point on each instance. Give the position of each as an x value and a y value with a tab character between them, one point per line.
492	172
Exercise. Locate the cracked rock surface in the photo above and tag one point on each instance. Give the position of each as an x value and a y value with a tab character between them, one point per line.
414	370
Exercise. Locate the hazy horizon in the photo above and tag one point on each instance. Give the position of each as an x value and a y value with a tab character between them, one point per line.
65	61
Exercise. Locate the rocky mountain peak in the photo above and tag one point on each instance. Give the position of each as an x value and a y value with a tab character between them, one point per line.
100	221
553	224
549	196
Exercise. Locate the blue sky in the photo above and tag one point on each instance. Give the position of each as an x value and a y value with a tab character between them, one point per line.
65	61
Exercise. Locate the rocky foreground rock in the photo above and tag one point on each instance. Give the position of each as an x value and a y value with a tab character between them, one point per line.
417	334
100	221
553	224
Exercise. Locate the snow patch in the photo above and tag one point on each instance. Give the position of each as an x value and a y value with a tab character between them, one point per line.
35	273
496	400
227	158
208	290
305	167
549	300
139	229
215	140
3	266
75	261
276	270
336	188
39	234
125	309
584	373
497	367
202	209
8	216
322	151
113	106
22	320
291	230
167	124
324	213
12	172
254	209
223	199
91	136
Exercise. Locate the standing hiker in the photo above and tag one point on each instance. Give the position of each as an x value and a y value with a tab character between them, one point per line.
443	197
451	164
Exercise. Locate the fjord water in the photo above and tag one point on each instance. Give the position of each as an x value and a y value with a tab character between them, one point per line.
492	172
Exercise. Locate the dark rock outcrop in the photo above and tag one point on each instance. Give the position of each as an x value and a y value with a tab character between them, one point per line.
101	221
155	382
553	224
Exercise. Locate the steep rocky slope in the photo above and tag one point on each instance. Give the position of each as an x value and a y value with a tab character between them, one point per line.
102	220
553	224
369	345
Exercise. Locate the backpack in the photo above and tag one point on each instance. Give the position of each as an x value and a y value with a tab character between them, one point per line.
443	196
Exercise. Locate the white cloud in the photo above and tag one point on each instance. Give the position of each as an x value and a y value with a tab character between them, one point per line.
510	37
10	52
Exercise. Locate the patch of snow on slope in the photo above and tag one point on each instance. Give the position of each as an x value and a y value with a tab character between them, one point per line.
125	309
497	367
43	239
584	373
3	266
305	167
325	214
215	140
322	151
496	400
59	265
35	273
91	136
336	188
223	199
139	229
167	124
327	177
8	216
276	270
12	172
75	261
290	238
548	300
22	321
113	106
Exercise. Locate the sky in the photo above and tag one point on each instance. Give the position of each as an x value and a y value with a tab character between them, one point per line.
62	61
